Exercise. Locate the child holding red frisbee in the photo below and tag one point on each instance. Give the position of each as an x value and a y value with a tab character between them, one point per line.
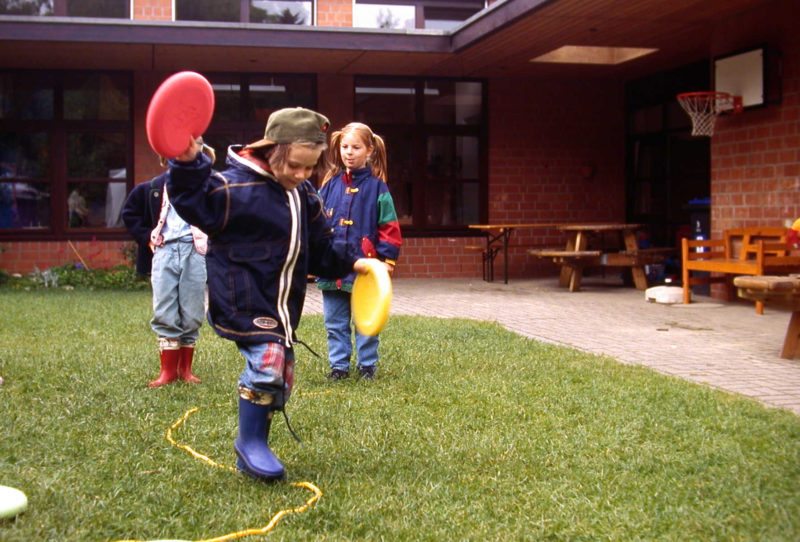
363	216
267	233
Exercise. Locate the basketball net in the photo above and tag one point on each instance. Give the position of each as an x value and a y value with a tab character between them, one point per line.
704	108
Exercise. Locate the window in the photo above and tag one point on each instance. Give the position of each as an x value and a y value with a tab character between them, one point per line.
65	153
274	12
434	14
243	102
254	11
384	16
436	146
109	9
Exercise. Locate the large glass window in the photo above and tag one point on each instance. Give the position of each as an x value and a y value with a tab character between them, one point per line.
243	102
65	153
434	14
96	96
296	12
436	146
280	12
109	9
386	16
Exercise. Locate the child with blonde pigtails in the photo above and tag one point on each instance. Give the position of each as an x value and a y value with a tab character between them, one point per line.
361	210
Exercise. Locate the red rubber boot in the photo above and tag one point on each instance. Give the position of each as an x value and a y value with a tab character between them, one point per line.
185	364
169	367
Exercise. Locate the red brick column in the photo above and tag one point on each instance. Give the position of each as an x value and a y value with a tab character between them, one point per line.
335	13
152	10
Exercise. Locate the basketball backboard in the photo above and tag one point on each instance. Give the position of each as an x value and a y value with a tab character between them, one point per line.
753	74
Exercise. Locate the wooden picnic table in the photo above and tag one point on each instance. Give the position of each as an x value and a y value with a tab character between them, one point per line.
577	255
778	290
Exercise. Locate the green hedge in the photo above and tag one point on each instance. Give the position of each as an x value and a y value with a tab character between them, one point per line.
73	276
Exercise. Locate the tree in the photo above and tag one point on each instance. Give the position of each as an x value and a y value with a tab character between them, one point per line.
387	20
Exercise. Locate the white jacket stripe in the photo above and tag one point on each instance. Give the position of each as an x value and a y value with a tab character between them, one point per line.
287	271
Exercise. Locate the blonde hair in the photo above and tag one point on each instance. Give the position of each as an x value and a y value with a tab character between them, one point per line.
376	161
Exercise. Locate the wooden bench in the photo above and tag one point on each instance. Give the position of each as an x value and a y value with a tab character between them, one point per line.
741	251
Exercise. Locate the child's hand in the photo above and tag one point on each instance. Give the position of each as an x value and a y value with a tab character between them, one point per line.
195	146
361	266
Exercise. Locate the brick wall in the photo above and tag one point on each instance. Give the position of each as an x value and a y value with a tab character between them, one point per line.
755	156
26	257
335	13
152	10
557	154
427	257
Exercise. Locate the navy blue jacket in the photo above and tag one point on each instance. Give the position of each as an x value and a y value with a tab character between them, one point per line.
140	214
263	243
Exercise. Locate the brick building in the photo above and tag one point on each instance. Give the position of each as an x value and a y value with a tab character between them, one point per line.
480	126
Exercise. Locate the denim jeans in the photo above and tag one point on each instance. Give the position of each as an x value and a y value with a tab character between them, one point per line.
179	285
336	309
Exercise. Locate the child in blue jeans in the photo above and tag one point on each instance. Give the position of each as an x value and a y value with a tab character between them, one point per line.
177	263
363	216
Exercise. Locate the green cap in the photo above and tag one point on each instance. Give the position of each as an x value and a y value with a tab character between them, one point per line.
294	124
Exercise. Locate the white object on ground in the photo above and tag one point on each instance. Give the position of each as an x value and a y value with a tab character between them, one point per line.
12	502
664	294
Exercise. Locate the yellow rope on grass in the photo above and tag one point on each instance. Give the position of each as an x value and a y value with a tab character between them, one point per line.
207	460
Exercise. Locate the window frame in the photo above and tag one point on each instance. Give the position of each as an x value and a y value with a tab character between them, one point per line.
58	130
246	130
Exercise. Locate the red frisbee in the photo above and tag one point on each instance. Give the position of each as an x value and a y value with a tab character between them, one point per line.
181	108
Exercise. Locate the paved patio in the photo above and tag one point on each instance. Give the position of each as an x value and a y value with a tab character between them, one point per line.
722	344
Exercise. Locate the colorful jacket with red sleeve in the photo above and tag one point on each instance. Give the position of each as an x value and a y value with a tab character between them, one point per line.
361	211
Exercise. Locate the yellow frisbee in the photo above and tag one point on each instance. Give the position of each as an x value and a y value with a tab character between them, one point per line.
372	295
796	225
12	502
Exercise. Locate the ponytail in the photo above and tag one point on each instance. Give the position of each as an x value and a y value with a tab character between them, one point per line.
335	158
377	161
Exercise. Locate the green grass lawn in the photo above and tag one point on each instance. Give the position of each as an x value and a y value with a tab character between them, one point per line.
470	432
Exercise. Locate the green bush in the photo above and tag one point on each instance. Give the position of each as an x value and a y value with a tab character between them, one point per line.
69	276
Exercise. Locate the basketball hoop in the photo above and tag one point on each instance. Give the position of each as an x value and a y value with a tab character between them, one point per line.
704	107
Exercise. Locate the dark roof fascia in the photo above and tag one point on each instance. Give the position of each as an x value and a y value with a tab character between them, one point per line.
493	19
72	29
76	29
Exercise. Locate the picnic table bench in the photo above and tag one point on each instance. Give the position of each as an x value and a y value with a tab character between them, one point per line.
741	251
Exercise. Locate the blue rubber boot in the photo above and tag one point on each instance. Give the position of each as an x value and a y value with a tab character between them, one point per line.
254	456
